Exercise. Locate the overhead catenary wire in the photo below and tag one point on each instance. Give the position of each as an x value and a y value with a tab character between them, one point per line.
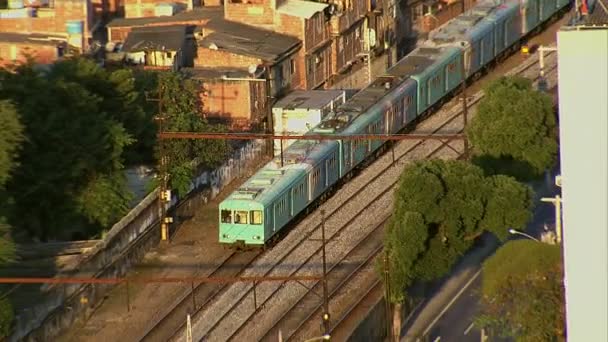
255	136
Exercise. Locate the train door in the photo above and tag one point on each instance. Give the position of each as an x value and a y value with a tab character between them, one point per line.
274	217
387	122
291	201
467	60
481	53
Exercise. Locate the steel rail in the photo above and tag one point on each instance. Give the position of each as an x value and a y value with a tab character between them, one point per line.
376	176
181	307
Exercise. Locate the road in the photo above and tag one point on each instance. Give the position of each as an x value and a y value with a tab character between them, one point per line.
455	323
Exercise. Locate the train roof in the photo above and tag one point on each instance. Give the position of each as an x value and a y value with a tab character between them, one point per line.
461	28
268	182
272	179
414	63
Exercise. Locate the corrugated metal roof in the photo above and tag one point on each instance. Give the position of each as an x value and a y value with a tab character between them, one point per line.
170	38
300	8
31	39
198	14
247	40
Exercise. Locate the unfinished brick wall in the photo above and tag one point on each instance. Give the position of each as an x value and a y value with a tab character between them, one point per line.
238	104
52	21
259	13
448	11
215	58
11	52
146	8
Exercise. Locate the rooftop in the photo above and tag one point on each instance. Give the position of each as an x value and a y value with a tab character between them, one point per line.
247	40
155	38
300	8
33	38
216	73
198	14
308	99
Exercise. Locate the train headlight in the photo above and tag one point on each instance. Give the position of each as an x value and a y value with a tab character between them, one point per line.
225	236
257	237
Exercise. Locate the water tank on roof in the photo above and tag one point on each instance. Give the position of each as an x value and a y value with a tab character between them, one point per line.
74	27
15	4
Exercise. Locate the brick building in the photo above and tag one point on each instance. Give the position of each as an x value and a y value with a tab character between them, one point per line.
119	28
232	96
50	26
163	47
333	34
430	14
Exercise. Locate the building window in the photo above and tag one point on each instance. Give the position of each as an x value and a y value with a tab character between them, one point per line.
226	216
292	66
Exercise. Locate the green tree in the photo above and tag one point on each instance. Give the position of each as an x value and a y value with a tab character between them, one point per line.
182	112
10	142
514	131
72	144
523	292
440	209
123	100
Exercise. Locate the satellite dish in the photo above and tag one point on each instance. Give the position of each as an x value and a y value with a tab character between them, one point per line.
252	69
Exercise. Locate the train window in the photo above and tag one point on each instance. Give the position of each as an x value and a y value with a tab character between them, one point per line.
240	217
256	217
452	67
226	216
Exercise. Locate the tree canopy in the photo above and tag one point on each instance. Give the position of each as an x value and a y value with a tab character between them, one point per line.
514	131
440	208
10	142
523	292
74	146
182	111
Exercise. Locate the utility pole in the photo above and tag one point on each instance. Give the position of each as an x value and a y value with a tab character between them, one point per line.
164	194
325	293
387	290
465	109
188	329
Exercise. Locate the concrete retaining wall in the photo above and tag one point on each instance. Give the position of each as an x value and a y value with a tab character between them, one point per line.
124	245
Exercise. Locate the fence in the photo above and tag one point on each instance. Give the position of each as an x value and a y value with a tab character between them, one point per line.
124	245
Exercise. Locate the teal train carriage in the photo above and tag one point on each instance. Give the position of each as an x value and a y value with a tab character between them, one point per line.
282	189
270	199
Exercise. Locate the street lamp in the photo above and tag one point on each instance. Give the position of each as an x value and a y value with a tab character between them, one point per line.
517	232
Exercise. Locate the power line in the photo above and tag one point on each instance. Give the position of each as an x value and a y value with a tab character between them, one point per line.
159	280
255	136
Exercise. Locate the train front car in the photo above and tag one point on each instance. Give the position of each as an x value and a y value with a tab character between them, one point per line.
241	219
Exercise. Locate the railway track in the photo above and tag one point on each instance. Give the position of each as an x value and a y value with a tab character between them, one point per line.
285	321
171	321
372	291
163	328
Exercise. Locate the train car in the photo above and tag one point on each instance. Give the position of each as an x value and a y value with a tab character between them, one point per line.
546	9
463	32
530	13
268	201
506	19
437	71
277	193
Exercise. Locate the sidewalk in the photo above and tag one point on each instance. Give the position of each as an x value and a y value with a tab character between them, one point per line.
470	267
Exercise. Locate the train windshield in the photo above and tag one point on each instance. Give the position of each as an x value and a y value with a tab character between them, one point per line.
242	216
256	217
226	216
